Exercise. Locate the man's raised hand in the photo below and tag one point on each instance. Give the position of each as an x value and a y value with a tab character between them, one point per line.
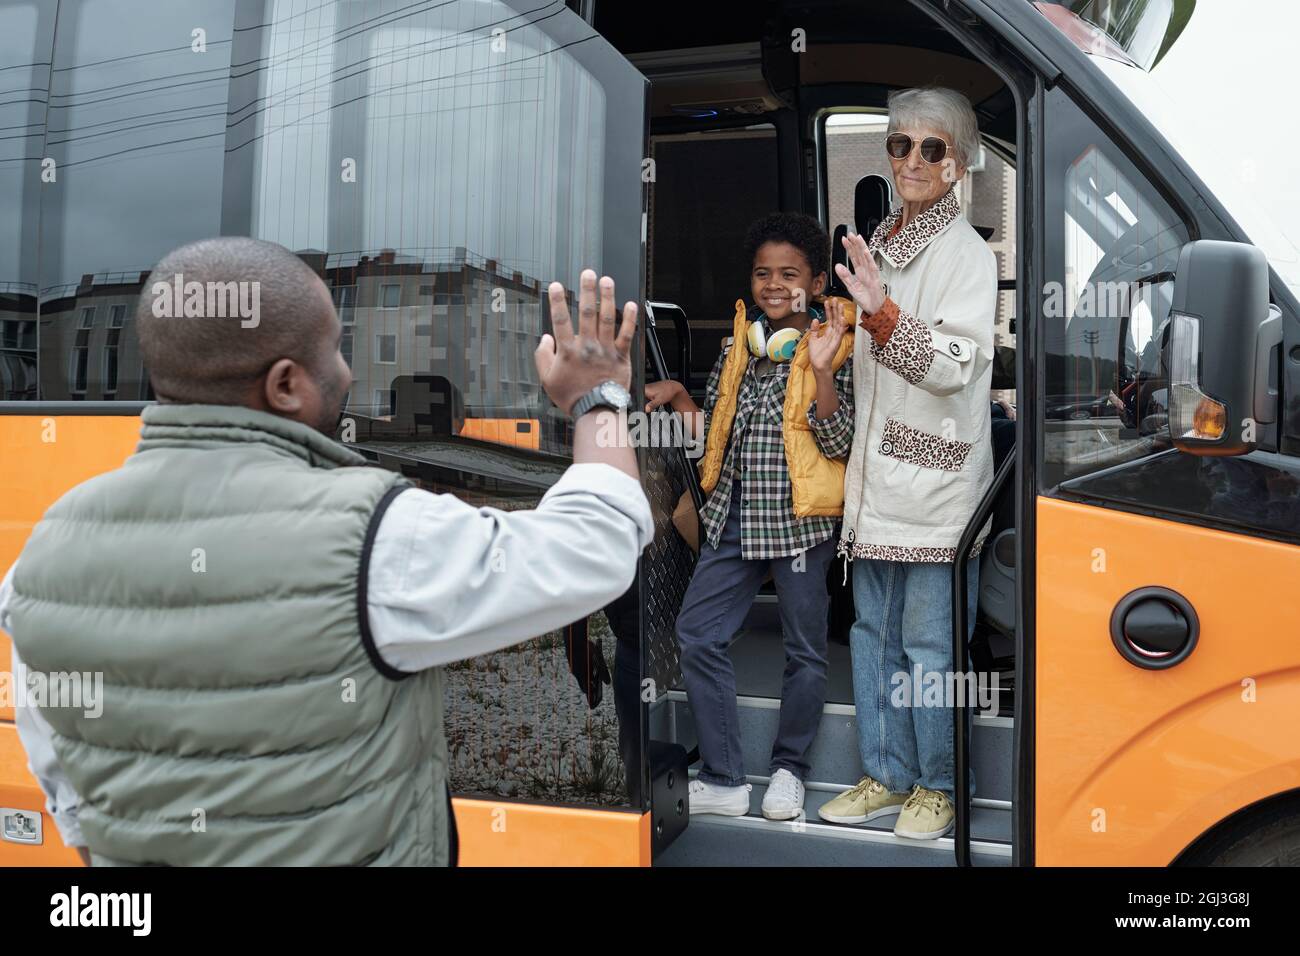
570	365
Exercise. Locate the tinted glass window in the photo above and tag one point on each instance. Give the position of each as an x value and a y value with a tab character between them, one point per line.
26	44
136	136
442	163
1113	243
437	164
1112	246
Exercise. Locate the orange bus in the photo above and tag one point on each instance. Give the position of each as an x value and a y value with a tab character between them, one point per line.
439	162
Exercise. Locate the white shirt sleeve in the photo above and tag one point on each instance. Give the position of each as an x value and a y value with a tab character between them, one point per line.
449	581
37	737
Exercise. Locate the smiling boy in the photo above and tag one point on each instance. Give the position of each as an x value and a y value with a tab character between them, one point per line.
778	422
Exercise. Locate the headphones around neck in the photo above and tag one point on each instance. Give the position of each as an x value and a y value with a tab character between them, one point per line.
780	345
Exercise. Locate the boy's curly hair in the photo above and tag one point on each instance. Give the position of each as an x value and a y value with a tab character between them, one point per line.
803	232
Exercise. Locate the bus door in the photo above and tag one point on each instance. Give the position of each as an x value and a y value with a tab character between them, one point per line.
438	164
724	155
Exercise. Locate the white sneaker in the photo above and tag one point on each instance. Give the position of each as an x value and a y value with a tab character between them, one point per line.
784	797
705	797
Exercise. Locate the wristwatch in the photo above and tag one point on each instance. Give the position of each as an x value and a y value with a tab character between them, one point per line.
608	394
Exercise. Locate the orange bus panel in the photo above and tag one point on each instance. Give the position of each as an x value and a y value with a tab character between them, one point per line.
20	791
46	456
502	833
42	462
1133	765
515	432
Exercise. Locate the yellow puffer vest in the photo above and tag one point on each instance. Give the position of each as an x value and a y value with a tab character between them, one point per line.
817	482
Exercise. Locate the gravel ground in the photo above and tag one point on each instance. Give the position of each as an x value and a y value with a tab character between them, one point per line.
518	726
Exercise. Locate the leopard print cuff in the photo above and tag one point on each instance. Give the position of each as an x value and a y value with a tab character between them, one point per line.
910	349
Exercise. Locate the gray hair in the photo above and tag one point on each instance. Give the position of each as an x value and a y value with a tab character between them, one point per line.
942	109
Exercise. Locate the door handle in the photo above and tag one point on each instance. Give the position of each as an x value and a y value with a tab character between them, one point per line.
1154	628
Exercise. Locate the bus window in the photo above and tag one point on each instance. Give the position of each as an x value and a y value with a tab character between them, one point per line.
26	35
135	144
1113	245
440	168
437	167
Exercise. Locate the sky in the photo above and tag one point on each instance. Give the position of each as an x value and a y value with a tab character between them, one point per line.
1233	74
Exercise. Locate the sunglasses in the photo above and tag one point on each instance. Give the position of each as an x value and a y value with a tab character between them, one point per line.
899	146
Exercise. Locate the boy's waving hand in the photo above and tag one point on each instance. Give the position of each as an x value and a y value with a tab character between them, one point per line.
825	336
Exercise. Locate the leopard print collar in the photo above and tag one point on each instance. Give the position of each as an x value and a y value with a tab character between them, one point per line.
914	237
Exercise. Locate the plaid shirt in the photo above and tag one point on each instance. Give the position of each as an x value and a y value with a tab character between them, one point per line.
756	459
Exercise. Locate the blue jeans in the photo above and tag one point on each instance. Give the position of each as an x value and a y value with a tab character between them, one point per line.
904	622
719	597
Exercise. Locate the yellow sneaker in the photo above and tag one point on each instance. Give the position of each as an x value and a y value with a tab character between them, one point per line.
927	815
868	800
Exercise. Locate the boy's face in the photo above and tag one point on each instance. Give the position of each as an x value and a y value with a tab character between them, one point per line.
782	282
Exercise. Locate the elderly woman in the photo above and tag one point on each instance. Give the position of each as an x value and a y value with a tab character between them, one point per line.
926	288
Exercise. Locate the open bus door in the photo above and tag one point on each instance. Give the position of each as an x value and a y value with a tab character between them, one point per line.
438	166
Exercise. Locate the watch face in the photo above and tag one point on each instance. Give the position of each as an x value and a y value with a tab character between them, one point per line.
615	394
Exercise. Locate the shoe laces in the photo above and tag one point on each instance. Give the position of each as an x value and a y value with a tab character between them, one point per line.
784	784
866	785
922	798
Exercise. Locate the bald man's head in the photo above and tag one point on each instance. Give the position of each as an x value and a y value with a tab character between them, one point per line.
237	321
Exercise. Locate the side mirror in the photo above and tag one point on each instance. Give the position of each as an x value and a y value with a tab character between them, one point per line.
1221	340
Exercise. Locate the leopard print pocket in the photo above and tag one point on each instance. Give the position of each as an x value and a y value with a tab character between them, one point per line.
915	447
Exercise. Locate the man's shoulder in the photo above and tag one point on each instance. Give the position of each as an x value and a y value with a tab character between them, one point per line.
106	486
145	480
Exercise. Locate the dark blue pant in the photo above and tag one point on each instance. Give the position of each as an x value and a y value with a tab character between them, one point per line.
719	597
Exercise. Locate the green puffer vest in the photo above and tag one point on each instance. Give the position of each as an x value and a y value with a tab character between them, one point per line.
217	581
